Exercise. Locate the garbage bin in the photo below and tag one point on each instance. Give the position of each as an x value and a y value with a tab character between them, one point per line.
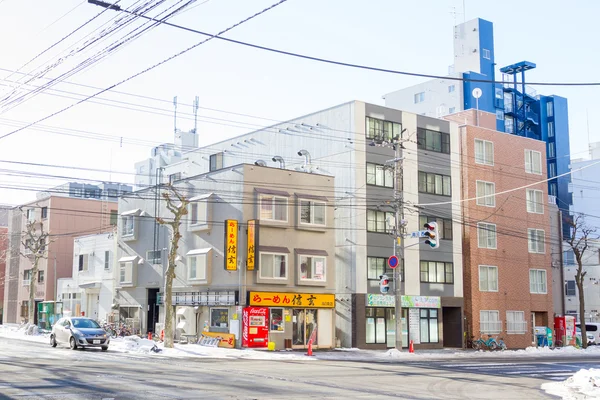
541	335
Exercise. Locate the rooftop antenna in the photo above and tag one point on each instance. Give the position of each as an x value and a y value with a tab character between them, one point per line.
175	114
196	106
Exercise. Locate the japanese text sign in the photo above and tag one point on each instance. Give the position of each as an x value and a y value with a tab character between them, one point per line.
231	244
251	250
299	300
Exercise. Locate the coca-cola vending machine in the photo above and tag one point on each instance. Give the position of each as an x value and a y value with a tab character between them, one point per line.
564	330
255	327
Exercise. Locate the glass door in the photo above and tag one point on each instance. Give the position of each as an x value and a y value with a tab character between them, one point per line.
304	322
390	322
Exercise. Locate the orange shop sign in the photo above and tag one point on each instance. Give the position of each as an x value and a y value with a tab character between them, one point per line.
297	300
231	244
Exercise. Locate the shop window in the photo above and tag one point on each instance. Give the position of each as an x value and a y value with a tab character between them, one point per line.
376	331
276	320
429	325
219	318
312	268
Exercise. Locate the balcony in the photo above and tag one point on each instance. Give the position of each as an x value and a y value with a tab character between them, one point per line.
532	116
516	327
490	327
551	199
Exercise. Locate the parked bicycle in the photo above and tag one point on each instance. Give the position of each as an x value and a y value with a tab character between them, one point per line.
491	344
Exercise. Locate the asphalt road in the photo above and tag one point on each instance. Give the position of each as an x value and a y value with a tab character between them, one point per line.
31	370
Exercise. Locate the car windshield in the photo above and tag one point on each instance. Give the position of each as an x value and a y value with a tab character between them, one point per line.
85	323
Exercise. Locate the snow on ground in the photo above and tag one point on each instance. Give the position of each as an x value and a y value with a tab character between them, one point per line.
585	384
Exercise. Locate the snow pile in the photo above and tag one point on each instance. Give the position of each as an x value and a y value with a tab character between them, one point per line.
27	332
134	344
585	384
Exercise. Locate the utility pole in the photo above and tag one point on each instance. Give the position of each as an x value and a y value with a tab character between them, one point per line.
55	289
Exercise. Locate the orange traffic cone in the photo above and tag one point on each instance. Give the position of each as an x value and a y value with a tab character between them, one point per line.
149	335
411	348
309	348
162	335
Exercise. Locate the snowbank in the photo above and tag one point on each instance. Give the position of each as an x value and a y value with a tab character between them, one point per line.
585	384
27	332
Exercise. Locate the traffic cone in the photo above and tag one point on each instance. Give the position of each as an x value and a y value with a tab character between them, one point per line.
149	335
309	348
162	335
411	348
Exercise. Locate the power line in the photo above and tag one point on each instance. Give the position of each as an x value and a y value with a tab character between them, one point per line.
145	70
341	63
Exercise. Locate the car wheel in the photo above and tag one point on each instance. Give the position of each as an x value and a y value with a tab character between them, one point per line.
53	341
104	348
73	343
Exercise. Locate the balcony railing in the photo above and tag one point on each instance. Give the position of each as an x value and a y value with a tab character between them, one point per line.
490	327
551	199
516	327
532	116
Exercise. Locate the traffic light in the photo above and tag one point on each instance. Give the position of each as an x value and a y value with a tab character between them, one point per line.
432	234
384	284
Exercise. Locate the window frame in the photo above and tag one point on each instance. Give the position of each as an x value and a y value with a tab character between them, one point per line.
495	322
372	170
423	185
534	242
568	291
281	324
152	260
312	204
490	199
448	272
215	162
314	259
274	204
419	97
445	225
125	225
519	327
428	138
387	129
532	203
486	53
530	154
483	160
480	227
83	262
387	229
203	267
211	317
428	317
126	266
385	269
106	260
487	281
273	278
540	285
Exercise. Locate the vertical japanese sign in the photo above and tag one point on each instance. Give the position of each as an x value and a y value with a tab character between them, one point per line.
252	242
231	241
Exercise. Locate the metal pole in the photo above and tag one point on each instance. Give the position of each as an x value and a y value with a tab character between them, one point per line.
55	289
399	203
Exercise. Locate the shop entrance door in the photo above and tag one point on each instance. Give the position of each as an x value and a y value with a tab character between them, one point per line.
304	321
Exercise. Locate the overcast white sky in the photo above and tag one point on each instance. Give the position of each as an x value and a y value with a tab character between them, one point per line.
404	35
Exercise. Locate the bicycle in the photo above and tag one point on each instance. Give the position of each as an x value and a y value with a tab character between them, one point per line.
491	343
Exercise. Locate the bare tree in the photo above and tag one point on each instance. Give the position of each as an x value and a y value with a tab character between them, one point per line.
581	234
36	248
177	204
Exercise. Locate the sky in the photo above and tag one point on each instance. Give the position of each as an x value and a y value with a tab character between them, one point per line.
114	130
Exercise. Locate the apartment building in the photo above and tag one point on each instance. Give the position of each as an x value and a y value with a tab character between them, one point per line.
506	246
282	257
89	290
337	142
591	284
3	254
64	218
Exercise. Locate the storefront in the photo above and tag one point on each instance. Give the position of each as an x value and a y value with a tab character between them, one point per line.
421	321
294	318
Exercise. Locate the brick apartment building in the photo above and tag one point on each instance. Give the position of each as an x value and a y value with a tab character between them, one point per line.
507	260
3	250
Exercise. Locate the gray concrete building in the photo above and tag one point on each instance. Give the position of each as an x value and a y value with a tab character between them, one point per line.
337	142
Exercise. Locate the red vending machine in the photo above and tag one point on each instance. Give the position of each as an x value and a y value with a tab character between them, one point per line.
255	327
564	330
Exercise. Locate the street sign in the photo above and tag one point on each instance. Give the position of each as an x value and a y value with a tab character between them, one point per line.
418	234
393	262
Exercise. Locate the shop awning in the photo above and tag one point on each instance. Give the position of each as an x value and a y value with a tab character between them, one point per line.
198	251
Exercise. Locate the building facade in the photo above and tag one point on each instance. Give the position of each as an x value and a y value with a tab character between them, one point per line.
284	257
591	285
507	256
89	290
518	108
3	255
336	142
64	218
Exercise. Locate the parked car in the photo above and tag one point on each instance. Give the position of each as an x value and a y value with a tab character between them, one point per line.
590	336
592	328
79	332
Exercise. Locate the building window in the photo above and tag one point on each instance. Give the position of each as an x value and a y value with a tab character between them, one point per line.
569	257
382	130
114	217
551	150
535	238
437	272
486	54
551	170
154	256
553	189
484	152
489	322
128	225
433	140
444	225
451	110
83	262
40	277
126	272
31	215
488	278
112	193
377	266
378	175
198	212
537	281
376	319
535	203
44	212
312	212
380	221
509	122
570	289
175	177
219	317
106	259
197	266
486	235
419	97
550	129
273	266
312	268
515	322
216	161
428	325
549	109
451	88
276	320
273	208
533	162
499	115
486	189
434	184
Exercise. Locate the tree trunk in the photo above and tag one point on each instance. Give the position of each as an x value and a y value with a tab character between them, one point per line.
170	275
584	341
34	272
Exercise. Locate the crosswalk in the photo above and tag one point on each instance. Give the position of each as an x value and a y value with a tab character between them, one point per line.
555	371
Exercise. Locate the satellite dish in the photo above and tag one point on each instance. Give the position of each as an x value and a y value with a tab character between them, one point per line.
477	93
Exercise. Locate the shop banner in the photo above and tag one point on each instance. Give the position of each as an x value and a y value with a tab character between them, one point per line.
388	300
299	300
225	339
231	244
252	240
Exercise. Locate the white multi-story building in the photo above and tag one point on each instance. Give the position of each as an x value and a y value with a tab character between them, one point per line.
90	290
585	186
591	285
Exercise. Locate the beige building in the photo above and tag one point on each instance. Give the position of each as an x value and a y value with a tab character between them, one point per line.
287	268
64	218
